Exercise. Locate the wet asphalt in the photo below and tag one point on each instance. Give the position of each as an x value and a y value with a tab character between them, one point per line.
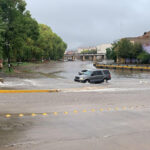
113	115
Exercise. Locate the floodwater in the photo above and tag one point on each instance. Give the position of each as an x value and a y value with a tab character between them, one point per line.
72	131
61	75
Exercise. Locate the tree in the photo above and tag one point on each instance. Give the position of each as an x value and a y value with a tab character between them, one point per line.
92	51
52	45
136	50
1	30
23	39
123	48
144	57
111	54
19	26
10	11
30	32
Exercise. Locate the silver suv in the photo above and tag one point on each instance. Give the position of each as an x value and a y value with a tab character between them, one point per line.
93	76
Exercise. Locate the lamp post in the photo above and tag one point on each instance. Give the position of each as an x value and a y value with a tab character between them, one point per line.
8	53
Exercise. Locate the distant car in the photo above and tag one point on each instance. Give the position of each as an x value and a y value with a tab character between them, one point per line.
69	59
93	76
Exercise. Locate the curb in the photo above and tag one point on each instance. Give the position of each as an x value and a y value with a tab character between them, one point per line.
29	91
123	67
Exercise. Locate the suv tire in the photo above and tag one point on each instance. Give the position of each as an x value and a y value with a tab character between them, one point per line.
87	81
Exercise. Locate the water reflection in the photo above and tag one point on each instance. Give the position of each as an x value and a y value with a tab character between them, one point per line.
130	74
61	75
13	129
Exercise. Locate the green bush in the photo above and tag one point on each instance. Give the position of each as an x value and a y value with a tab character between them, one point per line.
144	57
111	54
125	49
93	51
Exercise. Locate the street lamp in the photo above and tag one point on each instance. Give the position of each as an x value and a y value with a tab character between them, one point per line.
9	65
7	47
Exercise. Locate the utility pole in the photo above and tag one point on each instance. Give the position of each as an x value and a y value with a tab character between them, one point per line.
8	55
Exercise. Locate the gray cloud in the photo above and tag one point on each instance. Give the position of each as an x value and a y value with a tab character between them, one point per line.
91	22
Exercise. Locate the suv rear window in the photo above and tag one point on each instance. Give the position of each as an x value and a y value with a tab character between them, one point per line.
97	73
106	72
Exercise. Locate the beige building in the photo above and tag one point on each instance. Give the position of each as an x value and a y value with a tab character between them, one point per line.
102	48
144	40
79	50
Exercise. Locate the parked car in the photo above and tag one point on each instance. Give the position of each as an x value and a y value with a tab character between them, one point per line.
93	76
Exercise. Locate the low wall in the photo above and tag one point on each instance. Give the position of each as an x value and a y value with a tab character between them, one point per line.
142	68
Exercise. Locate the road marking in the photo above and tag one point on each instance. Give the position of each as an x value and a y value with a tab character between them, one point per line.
33	114
29	91
84	110
109	109
8	116
55	113
101	109
66	113
116	108
44	114
75	111
21	115
93	110
124	108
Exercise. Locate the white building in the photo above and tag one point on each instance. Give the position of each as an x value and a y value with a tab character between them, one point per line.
102	48
80	50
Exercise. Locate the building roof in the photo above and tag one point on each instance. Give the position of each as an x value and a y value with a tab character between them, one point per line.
144	39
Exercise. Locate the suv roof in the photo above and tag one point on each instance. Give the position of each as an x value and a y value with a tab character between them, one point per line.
96	69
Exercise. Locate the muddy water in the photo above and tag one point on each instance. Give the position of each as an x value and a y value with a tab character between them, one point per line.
61	75
36	133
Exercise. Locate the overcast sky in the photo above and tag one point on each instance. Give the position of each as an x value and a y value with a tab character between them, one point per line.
83	23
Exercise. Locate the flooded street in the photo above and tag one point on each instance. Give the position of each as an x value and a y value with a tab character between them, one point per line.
113	115
60	75
52	96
